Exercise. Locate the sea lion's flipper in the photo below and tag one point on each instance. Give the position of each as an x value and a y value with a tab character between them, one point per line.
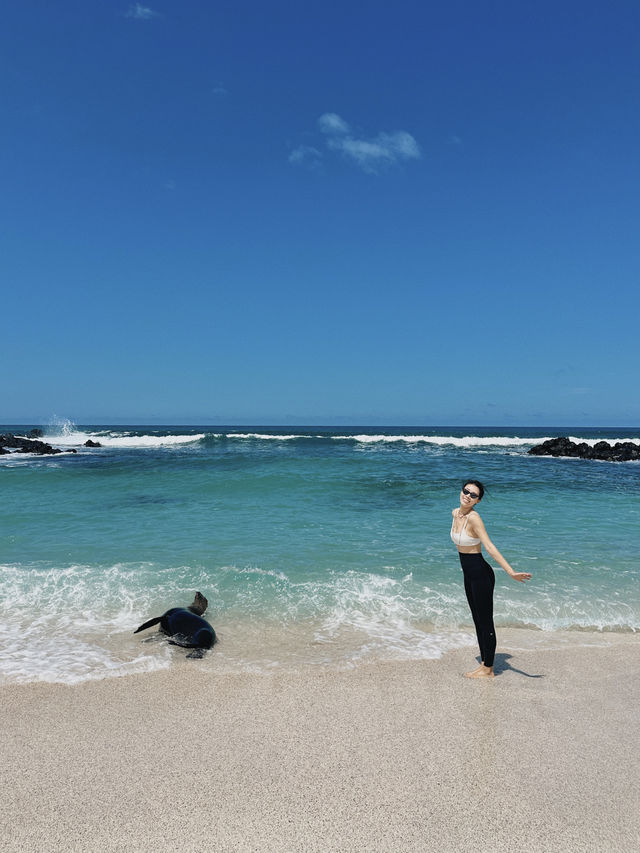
148	624
199	605
180	640
196	654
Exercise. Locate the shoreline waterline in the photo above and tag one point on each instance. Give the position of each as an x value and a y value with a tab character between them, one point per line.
268	648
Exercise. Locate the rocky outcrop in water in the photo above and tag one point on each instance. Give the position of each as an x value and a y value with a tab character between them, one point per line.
621	451
90	443
17	444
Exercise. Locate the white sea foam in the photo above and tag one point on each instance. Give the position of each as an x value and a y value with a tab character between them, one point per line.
399	617
76	623
77	438
69	625
63	433
365	438
388	622
467	441
592	441
259	436
28	654
147	440
443	440
15	458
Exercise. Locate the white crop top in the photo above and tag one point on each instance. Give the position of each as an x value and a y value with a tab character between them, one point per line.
460	539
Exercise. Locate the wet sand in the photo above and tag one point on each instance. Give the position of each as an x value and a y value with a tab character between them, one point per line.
387	756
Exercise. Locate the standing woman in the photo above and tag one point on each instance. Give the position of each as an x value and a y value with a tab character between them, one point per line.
469	535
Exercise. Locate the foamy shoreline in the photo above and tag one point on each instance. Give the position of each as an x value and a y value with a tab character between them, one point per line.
386	756
262	647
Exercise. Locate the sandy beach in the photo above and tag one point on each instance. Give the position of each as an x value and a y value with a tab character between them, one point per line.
402	757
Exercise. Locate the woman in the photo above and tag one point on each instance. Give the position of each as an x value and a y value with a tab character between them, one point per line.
469	534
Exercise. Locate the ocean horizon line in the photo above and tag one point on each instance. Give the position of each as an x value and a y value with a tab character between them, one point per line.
40	422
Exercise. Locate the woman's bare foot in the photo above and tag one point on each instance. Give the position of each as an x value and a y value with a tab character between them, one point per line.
481	672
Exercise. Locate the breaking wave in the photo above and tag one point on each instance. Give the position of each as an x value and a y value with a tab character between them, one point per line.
76	623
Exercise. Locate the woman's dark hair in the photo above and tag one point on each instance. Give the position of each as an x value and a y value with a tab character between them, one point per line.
477	484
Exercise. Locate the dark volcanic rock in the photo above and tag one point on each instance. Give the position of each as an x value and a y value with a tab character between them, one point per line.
27	445
626	451
621	451
89	443
35	433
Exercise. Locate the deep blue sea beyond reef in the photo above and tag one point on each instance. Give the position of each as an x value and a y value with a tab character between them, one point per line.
313	545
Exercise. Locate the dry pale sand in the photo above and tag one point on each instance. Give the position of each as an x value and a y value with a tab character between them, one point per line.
402	757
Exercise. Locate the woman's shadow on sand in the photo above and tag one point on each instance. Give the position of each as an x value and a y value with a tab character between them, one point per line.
501	664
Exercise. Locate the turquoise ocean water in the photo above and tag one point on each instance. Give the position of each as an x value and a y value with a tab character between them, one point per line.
313	545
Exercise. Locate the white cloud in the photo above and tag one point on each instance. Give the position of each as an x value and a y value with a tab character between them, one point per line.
220	90
306	154
371	155
140	12
332	123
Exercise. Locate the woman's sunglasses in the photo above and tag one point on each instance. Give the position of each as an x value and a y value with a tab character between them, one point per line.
470	494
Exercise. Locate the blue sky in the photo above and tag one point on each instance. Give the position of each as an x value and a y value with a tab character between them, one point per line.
365	212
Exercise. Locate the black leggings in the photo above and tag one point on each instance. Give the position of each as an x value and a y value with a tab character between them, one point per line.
479	581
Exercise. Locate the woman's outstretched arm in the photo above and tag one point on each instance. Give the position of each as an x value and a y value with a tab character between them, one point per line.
480	532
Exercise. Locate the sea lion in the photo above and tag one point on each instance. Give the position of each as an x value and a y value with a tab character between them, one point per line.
186	627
